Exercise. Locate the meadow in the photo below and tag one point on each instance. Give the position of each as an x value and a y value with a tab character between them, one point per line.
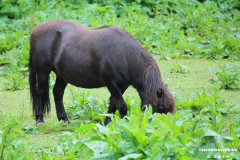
196	46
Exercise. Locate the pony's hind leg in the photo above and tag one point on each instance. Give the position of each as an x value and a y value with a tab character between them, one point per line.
58	92
42	97
113	107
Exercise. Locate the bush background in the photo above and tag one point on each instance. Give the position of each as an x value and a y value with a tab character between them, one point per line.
184	37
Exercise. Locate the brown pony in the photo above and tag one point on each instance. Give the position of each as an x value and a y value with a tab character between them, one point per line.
92	58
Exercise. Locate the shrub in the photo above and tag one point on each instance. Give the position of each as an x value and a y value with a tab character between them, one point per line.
228	76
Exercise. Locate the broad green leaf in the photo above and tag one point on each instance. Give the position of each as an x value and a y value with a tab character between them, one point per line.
237	132
142	138
131	156
228	66
184	138
198	134
107	156
209	132
212	81
236	142
102	128
157	155
88	152
86	127
96	146
65	136
131	143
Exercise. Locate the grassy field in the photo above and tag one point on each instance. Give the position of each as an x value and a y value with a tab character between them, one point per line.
18	102
176	32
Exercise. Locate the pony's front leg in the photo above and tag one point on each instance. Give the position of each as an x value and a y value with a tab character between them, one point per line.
116	95
121	106
111	109
58	92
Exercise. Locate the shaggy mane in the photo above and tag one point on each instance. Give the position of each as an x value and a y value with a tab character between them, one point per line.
152	82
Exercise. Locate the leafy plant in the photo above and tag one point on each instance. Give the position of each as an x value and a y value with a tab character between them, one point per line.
228	76
168	29
212	103
144	136
12	8
27	128
178	68
15	78
86	108
12	145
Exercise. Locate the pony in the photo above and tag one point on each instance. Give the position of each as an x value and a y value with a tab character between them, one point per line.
92	58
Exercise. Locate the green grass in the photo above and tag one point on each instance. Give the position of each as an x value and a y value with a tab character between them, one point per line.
167	29
187	84
18	102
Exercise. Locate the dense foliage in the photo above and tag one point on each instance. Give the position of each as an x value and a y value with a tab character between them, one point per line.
228	76
167	29
199	123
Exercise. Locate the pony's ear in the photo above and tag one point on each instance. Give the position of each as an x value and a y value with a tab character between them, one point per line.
159	92
166	85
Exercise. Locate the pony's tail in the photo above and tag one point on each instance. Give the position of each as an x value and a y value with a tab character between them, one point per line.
32	82
33	85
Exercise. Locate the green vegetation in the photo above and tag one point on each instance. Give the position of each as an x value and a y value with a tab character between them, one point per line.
206	117
228	76
181	35
86	108
178	68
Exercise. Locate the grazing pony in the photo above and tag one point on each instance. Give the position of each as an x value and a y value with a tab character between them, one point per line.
92	58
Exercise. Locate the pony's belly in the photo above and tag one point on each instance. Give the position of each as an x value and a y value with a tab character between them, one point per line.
83	81
79	73
87	85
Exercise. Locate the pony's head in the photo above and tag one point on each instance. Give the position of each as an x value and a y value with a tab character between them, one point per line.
165	102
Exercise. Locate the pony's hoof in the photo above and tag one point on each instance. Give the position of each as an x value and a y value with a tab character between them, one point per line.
107	121
143	108
64	125
40	123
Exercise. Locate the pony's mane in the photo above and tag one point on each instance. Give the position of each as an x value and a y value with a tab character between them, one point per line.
152	82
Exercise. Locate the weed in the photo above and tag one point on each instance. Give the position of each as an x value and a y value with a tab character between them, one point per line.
168	29
15	78
143	136
11	144
212	104
32	21
178	68
22	114
86	108
228	76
